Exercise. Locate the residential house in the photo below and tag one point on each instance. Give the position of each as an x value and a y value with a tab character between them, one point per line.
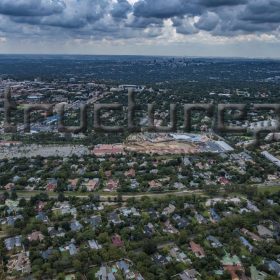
252	207
197	250
47	253
215	218
123	266
42	217
114	218
213	201
93	244
169	210
257	275
179	186
246	243
149	230
12	219
13	242
56	232
95	221
160	259
104	274
223	181
264	232
154	171
51	184
90	206
273	266
64	208
19	263
186	161
169	228
9	186
215	243
117	241
130	212
190	274
271	202
153	213
111	185
155	184
75	226
179	221
35	236
134	184
130	173
233	266
251	235
12	206
200	219
178	255
40	206
92	185
71	248
72	184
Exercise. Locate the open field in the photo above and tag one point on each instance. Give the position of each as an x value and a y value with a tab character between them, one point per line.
104	196
162	148
270	189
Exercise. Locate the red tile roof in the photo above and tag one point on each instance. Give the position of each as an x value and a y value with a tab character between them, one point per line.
117	241
197	249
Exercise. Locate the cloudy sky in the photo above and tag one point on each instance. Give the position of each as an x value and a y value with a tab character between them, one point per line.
249	28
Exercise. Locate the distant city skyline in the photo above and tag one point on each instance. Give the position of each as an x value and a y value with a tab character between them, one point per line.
211	28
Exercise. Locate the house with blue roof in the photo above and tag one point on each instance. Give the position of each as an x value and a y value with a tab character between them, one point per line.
180	221
12	219
214	215
42	217
47	253
246	243
72	249
273	266
52	120
13	242
95	221
75	225
123	266
215	243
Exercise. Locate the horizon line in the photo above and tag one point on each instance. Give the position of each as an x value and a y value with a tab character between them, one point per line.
143	55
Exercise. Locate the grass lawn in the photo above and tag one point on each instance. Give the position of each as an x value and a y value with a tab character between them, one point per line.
3	234
270	189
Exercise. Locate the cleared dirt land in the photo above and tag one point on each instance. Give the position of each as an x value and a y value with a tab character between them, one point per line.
170	147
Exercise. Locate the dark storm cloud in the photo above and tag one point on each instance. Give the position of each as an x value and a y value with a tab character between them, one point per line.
262	11
121	9
139	22
218	3
183	26
165	9
31	7
145	19
171	8
76	14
